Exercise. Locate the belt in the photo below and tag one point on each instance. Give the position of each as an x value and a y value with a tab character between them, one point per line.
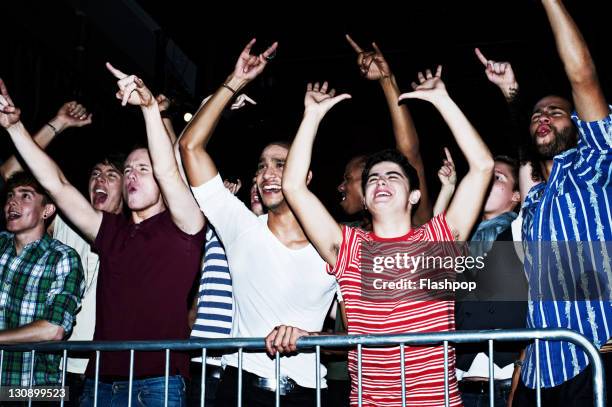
287	384
482	386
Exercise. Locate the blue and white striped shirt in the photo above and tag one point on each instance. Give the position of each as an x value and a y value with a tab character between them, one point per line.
215	298
570	279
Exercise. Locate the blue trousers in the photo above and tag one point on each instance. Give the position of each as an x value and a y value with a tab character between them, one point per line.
146	392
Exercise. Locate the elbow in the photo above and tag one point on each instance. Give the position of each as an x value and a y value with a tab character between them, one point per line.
186	144
484	165
289	187
582	72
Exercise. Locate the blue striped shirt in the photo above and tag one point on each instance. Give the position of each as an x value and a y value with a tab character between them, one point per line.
570	279
215	298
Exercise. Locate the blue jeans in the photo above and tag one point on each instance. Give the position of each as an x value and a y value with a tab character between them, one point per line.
145	393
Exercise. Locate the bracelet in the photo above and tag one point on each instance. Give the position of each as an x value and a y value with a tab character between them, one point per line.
226	86
518	363
53	127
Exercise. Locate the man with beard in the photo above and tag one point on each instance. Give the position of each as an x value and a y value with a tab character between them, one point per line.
153	254
277	275
570	206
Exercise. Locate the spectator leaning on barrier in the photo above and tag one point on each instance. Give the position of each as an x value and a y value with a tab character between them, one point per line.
390	191
41	282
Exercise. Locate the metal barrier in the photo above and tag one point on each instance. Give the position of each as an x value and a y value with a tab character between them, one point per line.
316	343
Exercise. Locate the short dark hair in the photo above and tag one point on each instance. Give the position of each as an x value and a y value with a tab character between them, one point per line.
115	160
26	179
393	156
513	163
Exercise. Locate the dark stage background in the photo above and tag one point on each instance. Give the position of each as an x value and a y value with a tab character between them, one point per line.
54	51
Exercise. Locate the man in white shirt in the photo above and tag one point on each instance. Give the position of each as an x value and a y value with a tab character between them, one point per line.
276	273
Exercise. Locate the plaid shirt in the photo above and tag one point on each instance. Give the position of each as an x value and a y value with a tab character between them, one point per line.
44	282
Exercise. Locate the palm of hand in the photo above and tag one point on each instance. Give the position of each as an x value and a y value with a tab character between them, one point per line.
316	99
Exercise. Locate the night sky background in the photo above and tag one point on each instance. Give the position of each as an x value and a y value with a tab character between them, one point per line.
54	51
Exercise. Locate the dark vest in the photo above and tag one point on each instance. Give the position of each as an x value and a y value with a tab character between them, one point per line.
498	302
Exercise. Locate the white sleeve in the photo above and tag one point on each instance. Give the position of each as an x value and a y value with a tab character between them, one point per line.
228	215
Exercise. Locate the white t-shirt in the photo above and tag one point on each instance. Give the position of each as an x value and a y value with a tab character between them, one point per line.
85	325
273	285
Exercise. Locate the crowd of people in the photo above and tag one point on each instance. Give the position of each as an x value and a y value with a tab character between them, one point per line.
161	218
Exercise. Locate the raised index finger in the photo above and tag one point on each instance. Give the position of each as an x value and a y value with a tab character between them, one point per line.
448	155
481	57
356	47
117	73
247	49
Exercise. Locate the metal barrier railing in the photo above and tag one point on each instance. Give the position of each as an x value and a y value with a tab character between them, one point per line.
317	342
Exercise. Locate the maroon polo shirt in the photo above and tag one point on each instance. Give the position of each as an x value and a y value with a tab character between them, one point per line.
146	272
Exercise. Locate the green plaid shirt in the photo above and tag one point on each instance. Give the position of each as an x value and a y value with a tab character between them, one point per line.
44	282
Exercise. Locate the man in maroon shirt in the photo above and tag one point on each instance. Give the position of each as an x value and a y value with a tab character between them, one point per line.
148	262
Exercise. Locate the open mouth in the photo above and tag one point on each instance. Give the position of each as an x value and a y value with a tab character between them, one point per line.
100	196
269	189
342	196
13	215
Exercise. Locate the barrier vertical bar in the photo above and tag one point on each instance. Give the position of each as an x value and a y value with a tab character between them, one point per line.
277	369
491	375
239	377
203	379
359	383
64	364
403	374
1	364
130	383
97	378
446	397
166	378
318	374
538	390
31	376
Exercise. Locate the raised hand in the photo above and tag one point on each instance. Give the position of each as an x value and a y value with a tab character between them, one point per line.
249	66
233	187
9	114
72	114
430	87
447	173
132	89
163	102
372	64
499	73
320	100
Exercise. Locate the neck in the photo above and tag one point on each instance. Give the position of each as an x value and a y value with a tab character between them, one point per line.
146	213
546	168
285	226
22	239
392	226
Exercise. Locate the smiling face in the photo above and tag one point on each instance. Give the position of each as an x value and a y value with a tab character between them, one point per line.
551	126
387	189
105	182
270	174
25	211
255	200
140	189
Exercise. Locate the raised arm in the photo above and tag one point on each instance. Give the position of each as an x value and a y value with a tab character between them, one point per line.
192	143
467	203
320	227
71	114
183	208
448	178
589	100
373	66
70	201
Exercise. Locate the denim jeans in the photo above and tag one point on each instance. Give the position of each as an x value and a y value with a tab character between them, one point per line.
146	392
